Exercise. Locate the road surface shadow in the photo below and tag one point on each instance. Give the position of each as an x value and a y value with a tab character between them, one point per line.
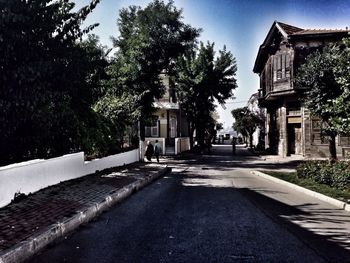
249	162
221	157
333	244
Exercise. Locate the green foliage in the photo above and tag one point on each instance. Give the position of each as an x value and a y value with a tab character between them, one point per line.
246	122
219	126
318	78
60	93
45	90
309	169
326	79
341	119
333	174
150	41
201	80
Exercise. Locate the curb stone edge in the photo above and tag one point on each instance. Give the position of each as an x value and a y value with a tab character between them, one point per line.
340	204
26	249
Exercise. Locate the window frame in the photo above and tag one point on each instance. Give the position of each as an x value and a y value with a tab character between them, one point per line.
281	66
152	131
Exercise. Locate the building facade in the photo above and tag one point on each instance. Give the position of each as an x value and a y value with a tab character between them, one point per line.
253	106
169	124
290	128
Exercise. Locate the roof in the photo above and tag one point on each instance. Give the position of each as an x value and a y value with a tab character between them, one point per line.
290	32
277	27
319	31
288	28
284	29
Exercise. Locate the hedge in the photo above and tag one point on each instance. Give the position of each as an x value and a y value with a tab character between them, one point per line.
333	174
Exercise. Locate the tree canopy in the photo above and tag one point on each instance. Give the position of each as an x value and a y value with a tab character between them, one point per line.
201	80
44	95
150	42
61	91
325	78
341	121
246	122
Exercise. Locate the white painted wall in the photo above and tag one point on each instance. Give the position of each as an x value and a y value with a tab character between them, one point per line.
31	176
161	142
111	161
182	145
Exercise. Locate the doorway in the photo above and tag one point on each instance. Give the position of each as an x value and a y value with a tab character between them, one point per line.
294	139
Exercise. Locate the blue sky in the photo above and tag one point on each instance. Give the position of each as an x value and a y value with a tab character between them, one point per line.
241	25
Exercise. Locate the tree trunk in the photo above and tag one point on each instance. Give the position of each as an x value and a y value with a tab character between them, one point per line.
200	137
190	133
214	137
332	147
250	140
142	129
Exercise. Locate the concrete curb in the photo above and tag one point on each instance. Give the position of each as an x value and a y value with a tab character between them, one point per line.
330	200
38	241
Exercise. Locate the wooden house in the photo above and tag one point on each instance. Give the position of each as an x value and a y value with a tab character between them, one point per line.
290	128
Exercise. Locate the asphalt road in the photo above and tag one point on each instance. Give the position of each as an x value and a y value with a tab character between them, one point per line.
211	209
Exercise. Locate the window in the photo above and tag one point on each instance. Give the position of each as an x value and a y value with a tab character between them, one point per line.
317	135
287	66
173	127
281	67
274	68
344	140
152	131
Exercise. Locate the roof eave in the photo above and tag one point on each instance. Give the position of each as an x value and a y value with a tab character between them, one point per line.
257	66
318	35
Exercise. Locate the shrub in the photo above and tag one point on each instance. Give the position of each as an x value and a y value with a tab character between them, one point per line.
333	174
325	174
341	175
309	169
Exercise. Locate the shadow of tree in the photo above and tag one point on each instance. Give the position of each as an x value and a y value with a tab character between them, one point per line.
323	230
334	242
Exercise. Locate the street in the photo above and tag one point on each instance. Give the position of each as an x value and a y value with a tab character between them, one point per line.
212	209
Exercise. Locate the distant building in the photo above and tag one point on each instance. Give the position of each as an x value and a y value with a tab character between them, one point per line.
169	121
227	134
253	106
289	126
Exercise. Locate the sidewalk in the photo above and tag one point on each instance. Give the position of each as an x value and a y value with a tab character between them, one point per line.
51	213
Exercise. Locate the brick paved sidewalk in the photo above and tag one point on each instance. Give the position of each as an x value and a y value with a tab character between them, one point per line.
19	221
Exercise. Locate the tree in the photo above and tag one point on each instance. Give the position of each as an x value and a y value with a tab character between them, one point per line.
150	41
341	120
323	91
44	92
246	122
201	80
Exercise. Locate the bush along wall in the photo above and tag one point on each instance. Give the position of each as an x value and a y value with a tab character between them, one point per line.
333	174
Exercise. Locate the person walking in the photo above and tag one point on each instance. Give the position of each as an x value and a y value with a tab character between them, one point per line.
157	150
233	146
149	151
